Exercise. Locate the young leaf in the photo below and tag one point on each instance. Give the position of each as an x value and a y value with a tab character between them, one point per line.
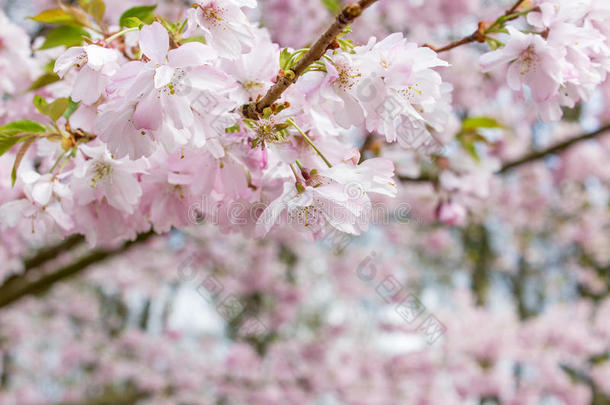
473	123
66	35
469	146
20	127
24	148
194	38
10	134
72	106
55	16
334	6
53	110
63	16
95	8
144	13
57	108
132	22
43	80
40	103
7	142
285	58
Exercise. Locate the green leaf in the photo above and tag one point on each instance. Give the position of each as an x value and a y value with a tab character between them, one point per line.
57	108
49	66
334	6
232	129
469	146
473	123
40	103
43	80
194	38
54	110
22	151
66	35
11	134
20	127
493	43
55	16
285	57
144	13
63	16
7	142
72	106
95	8
132	22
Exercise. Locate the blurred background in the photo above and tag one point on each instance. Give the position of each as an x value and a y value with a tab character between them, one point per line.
493	292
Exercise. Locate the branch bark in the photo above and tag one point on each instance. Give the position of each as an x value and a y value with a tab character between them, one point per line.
346	16
36	282
529	158
49	253
560	147
480	34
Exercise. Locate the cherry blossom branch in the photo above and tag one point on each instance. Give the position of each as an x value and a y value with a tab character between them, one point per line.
560	147
480	35
49	253
514	7
477	36
529	158
346	16
35	282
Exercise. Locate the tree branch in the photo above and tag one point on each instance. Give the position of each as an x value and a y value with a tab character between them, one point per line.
49	253
560	147
35	282
482	30
345	17
529	158
514	7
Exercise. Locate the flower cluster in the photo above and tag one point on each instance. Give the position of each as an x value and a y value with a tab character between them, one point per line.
562	59
146	131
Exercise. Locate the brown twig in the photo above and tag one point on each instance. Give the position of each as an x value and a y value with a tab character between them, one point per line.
480	34
514	7
560	147
477	36
345	17
531	157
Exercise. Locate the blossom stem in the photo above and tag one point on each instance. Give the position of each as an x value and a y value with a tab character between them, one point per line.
309	141
120	33
57	161
345	17
481	33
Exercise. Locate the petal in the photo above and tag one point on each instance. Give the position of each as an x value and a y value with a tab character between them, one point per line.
179	110
154	42
41	192
515	75
66	60
60	217
163	76
148	113
88	86
191	54
272	212
11	212
207	78
98	56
